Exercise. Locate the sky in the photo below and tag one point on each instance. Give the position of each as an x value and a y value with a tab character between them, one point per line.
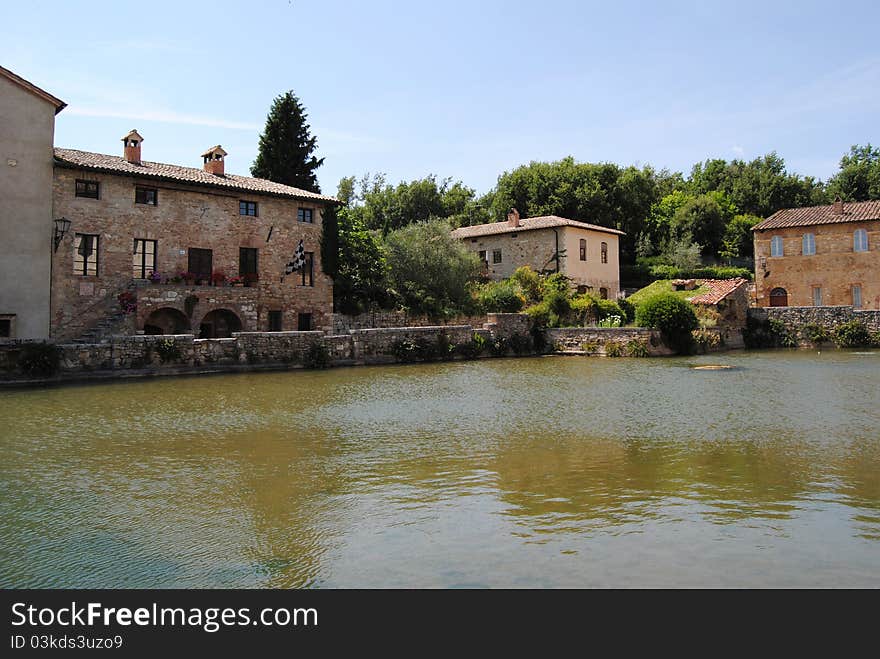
461	89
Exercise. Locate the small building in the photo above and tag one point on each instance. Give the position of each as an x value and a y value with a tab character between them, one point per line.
167	249
27	130
819	256
586	253
726	302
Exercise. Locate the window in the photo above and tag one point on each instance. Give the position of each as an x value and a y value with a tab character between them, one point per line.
275	320
857	296
860	240
308	275
809	244
304	322
305	215
7	326
603	293
583	249
88	189
247	264
496	256
776	246
148	196
247	208
143	259
85	260
817	296
482	255
604	252
200	263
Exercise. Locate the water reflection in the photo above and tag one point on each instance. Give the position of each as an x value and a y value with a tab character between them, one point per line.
537	472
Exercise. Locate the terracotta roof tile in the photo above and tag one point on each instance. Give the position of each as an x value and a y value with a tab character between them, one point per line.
860	211
527	224
718	289
160	171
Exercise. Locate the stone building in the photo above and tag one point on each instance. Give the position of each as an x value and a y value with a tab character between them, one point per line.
161	249
819	256
586	253
27	130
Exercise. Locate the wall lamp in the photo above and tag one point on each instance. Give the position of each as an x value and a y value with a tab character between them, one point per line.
62	226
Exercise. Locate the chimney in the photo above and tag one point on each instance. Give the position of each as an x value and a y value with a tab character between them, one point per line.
513	217
838	206
213	158
132	150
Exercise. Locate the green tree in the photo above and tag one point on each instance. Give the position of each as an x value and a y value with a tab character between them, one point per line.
430	271
859	175
738	239
330	240
674	317
361	282
704	219
286	146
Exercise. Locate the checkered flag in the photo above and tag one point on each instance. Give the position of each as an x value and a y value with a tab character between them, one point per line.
299	260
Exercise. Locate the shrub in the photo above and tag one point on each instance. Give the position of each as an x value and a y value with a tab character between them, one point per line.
875	339
852	335
764	333
500	297
611	321
674	317
539	315
557	282
539	337
815	333
445	347
583	309
168	351
404	350
127	302
529	283
613	349
589	346
783	337
628	309
637	348
703	272
498	346
608	308
39	359
473	348
520	344
705	340
317	355
706	315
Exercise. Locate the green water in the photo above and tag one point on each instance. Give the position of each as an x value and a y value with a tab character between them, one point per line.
548	472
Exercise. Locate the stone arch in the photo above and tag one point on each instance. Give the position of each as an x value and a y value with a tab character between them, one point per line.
779	297
219	324
166	320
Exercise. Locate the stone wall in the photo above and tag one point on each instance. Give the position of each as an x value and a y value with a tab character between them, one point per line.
195	302
342	323
599	340
828	317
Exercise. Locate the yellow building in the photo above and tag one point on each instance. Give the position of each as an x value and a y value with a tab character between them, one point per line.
586	253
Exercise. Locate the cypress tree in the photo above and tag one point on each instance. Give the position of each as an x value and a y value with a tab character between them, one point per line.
286	146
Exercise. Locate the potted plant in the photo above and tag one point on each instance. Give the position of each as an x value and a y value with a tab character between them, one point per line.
235	281
188	277
154	278
218	278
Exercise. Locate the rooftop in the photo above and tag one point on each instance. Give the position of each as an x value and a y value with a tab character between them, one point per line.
100	162
528	224
718	289
860	211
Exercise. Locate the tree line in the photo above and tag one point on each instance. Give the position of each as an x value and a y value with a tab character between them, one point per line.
670	219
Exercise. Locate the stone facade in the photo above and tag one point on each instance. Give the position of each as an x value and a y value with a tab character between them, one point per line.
834	269
794	318
597	340
27	127
185	216
342	323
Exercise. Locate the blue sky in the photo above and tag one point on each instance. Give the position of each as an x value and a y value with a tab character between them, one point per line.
460	89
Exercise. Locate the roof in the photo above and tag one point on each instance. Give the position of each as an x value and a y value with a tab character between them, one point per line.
718	290
527	224
31	87
175	173
860	211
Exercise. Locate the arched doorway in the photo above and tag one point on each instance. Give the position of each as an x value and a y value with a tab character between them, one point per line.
219	324
166	321
778	297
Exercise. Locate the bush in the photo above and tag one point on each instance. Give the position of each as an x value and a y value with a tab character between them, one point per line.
875	339
168	351
613	349
852	335
404	350
611	321
445	348
705	340
500	297
815	333
703	272
606	308
557	282
498	347
637	348
529	283
520	344
317	356
473	348
628	309
765	333
674	317
583	309
39	359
